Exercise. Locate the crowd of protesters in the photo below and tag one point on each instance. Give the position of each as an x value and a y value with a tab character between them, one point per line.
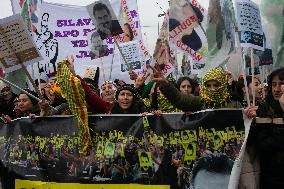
217	89
160	94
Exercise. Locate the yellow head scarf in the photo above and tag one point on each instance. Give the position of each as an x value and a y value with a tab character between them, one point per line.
213	98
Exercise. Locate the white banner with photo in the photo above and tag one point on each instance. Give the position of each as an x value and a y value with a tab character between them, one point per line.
129	18
186	33
60	32
163	57
249	24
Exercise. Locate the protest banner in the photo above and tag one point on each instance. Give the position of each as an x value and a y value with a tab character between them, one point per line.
129	18
67	33
249	24
221	36
163	152
104	19
202	9
248	16
163	55
16	45
272	16
130	51
185	32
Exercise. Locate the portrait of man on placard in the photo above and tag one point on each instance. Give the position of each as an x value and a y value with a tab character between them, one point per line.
97	46
103	16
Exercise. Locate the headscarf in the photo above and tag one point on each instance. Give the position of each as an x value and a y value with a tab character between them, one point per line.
137	105
128	88
218	96
33	101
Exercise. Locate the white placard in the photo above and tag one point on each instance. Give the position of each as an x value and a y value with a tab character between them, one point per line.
16	44
130	51
248	16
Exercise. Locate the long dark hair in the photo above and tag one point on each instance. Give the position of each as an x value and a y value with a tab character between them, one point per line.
192	82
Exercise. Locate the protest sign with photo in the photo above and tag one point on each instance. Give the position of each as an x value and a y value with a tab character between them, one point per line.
220	34
60	33
249	24
99	48
272	15
165	151
16	44
186	33
104	19
163	56
129	18
130	51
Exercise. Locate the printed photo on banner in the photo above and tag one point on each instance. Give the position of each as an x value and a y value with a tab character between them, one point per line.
102	14
33	5
163	55
98	48
251	39
129	20
127	33
16	44
221	26
249	24
125	151
180	13
185	30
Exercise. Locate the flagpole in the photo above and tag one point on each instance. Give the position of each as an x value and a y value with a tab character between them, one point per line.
111	63
22	90
252	73
128	66
103	70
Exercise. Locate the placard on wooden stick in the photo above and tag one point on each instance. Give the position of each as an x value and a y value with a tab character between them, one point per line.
17	49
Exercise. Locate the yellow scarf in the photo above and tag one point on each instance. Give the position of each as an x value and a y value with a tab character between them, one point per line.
213	98
74	93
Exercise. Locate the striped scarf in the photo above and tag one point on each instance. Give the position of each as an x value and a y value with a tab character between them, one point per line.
74	93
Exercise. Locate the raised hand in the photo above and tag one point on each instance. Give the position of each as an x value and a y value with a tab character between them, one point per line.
141	80
44	105
70	59
132	75
158	75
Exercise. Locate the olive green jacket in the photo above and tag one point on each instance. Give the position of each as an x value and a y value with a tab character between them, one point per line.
190	102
